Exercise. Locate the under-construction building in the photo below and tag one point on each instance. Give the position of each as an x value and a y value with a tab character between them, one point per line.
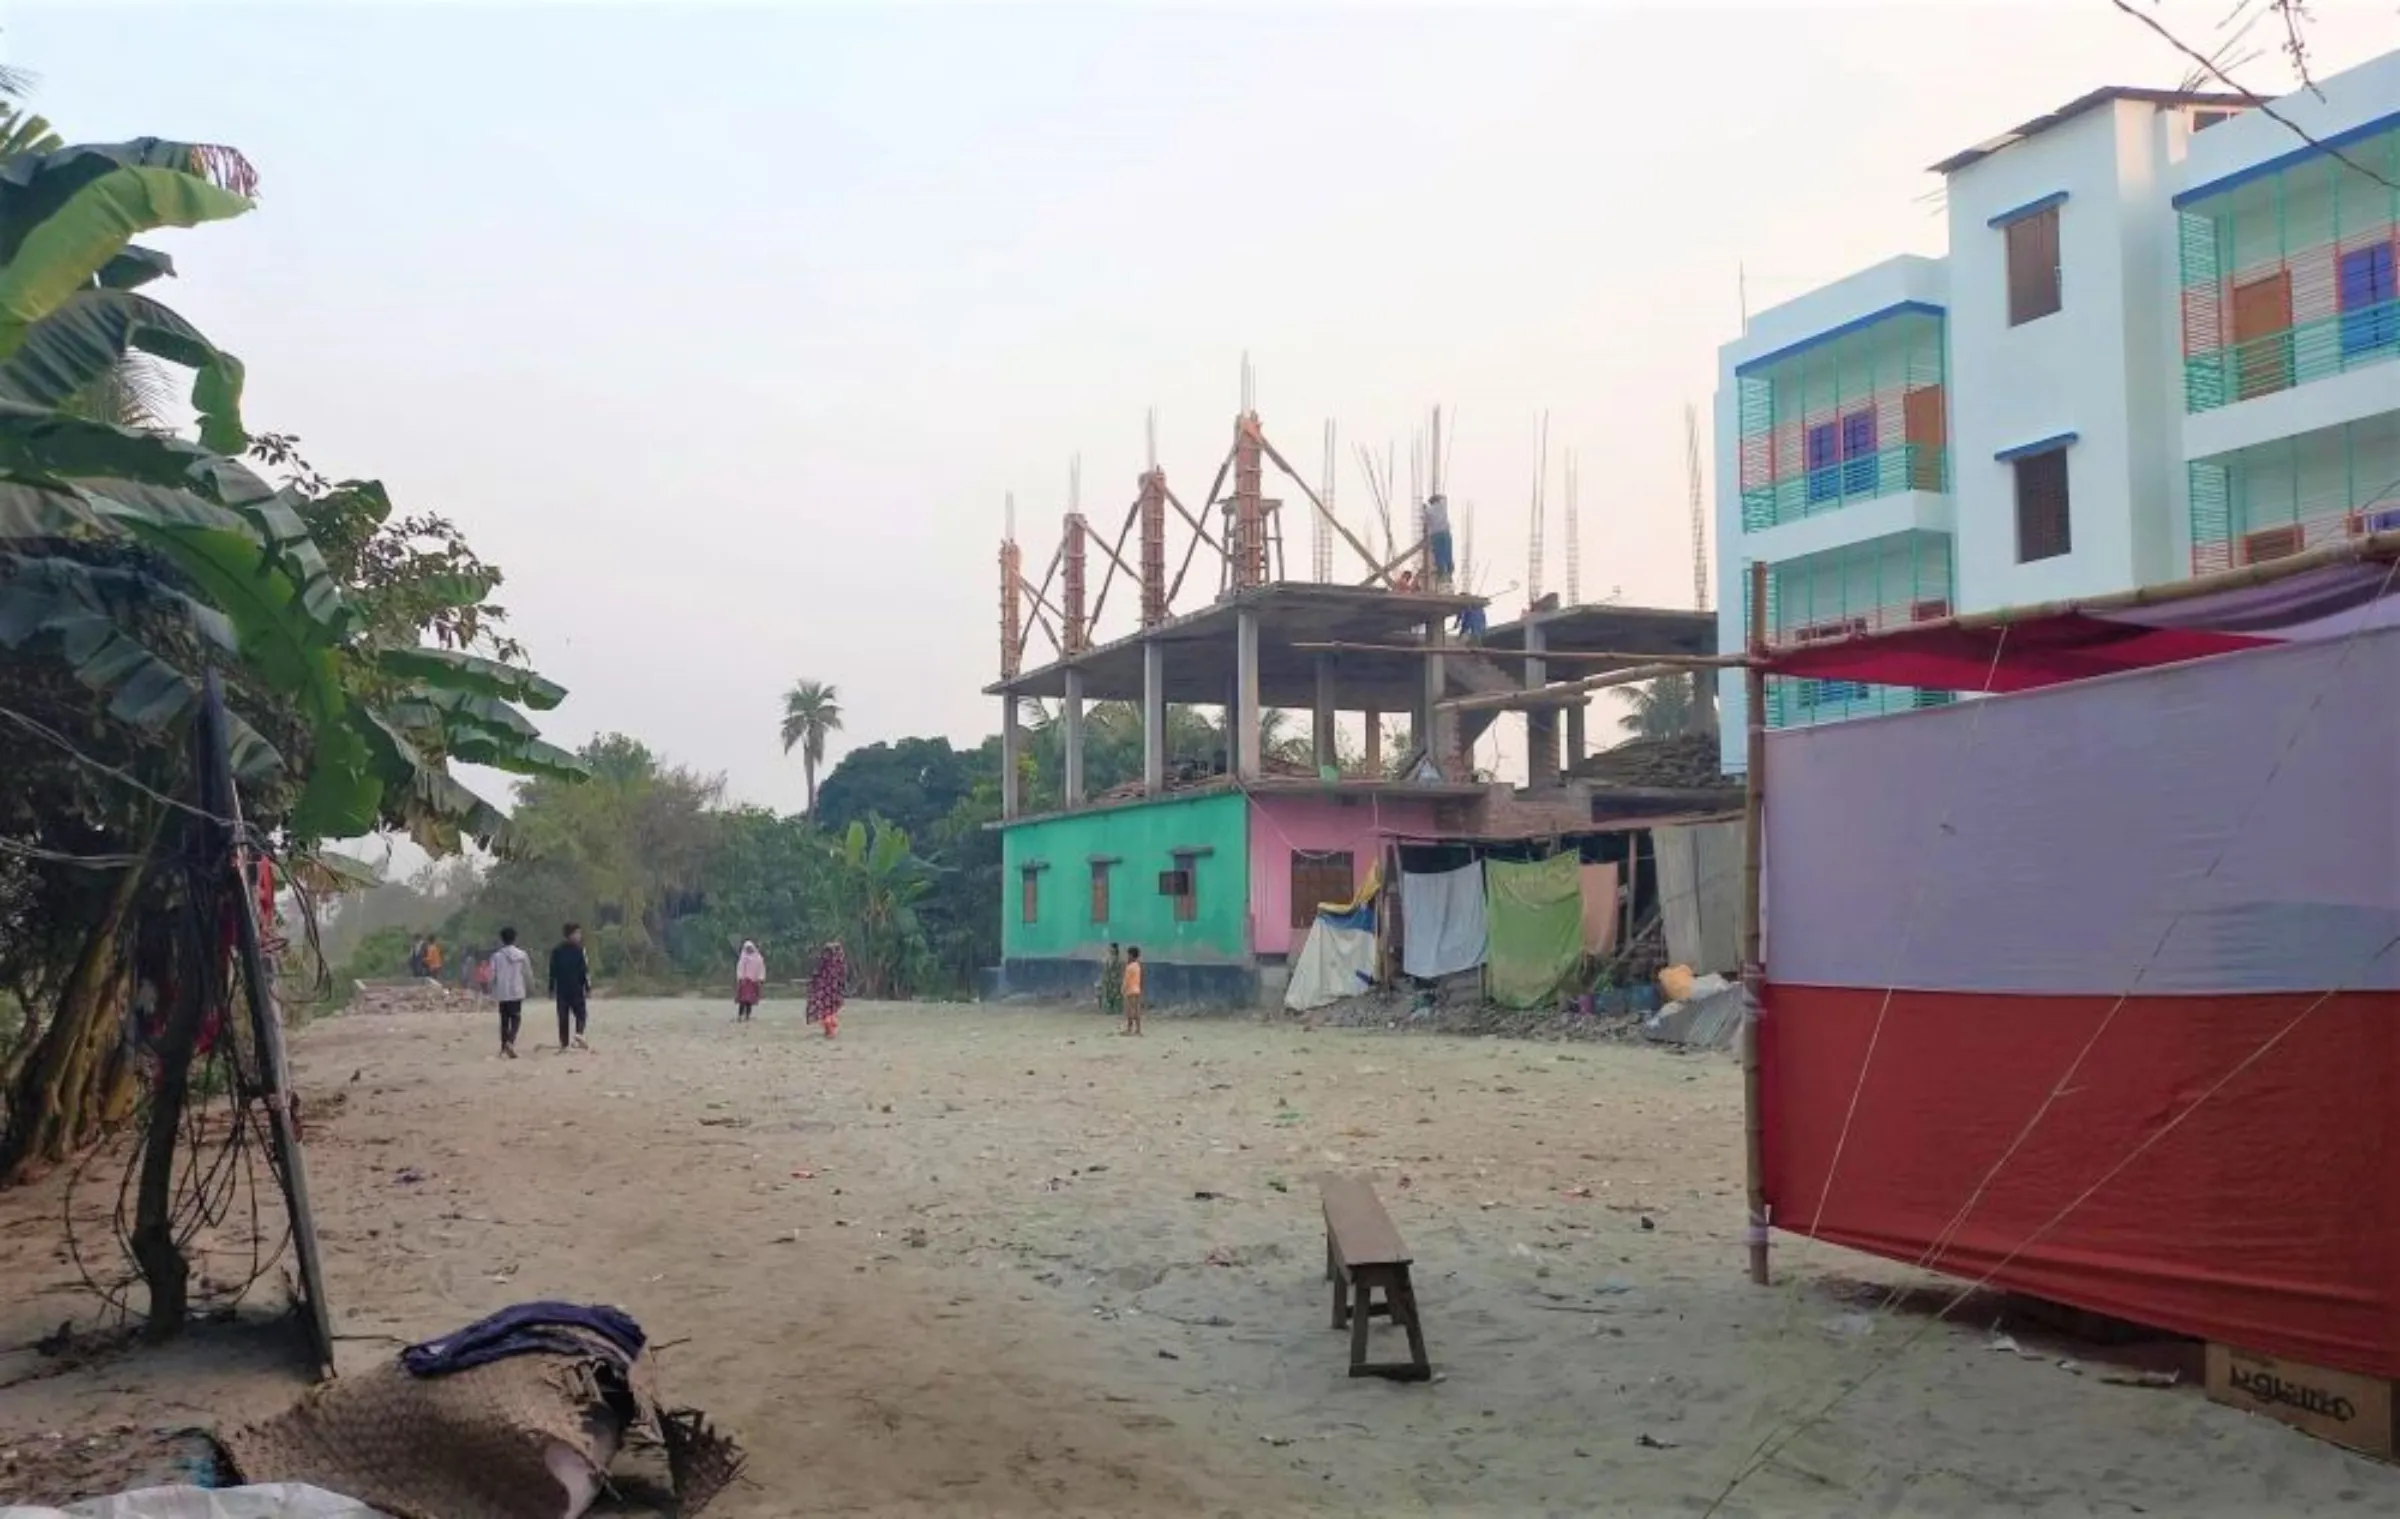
1216	853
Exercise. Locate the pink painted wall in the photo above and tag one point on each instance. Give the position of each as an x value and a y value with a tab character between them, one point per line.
1281	824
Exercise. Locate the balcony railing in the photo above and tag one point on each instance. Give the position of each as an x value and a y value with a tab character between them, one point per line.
1810	493
2306	351
2280	498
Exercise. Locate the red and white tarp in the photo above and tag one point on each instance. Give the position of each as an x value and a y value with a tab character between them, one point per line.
2112	970
2079	645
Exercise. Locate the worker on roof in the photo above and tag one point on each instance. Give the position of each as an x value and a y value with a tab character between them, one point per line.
1437	539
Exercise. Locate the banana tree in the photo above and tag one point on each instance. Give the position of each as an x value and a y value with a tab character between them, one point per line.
131	562
877	884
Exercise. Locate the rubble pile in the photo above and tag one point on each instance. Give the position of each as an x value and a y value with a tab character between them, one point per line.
407	997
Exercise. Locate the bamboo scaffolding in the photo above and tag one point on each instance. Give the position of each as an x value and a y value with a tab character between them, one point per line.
1553	656
1558	693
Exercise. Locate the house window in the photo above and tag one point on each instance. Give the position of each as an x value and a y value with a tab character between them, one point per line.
1823	449
2370	300
2044	523
2033	273
1029	894
1858	454
1183	884
1100	891
1831	693
1318	879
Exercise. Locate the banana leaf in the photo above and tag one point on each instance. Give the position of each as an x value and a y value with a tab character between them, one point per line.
525	756
172	477
35	187
61	252
29	510
89	335
452	670
134	268
89	610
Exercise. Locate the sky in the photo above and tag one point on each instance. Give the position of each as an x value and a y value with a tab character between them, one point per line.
725	330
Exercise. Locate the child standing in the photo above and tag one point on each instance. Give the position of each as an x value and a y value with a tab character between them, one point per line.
1132	990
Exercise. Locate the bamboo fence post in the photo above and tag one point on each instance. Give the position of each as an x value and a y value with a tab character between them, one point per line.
1753	939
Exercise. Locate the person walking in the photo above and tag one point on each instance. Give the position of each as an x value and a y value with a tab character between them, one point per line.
433	957
1112	982
511	973
749	980
570	986
826	987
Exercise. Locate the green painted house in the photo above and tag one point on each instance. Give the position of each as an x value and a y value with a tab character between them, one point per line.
1172	877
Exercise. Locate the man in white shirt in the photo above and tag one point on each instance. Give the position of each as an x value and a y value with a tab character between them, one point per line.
512	974
1437	539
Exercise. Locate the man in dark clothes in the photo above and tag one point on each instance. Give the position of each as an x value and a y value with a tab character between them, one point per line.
570	984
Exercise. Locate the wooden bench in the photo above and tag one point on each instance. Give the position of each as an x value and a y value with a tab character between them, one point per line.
1363	1253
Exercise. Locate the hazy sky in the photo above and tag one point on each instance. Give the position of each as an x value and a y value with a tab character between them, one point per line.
724	330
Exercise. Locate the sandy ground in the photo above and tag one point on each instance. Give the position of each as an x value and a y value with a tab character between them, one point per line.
1003	1262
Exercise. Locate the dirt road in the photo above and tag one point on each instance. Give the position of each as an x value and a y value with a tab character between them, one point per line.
1004	1262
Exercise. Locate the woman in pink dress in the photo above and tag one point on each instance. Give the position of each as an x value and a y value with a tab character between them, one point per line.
749	980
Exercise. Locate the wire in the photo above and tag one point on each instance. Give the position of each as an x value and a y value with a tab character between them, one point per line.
2260	102
43	730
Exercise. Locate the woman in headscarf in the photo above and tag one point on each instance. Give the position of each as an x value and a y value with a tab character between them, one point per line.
825	988
749	980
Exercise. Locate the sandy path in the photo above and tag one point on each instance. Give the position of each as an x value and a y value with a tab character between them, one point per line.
999	1292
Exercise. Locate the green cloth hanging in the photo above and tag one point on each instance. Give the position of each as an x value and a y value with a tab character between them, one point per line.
1534	914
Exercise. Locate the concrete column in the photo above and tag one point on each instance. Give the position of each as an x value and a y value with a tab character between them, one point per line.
1012	756
1541	723
1328	748
1072	711
1154	717
1437	730
1245	695
1374	743
1577	746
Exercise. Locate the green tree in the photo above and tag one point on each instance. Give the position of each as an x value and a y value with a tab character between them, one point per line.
812	713
133	563
912	782
877	884
1662	708
625	852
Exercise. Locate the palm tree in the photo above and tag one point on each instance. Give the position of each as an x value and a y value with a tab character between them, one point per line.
1662	709
812	711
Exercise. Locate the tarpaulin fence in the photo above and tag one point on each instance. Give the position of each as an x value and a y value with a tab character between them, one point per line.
2179	888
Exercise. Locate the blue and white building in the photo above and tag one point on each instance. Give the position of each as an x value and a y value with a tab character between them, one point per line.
2165	340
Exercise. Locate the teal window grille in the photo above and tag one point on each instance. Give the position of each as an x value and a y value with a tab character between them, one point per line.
1884	583
1853	417
2296	493
2293	276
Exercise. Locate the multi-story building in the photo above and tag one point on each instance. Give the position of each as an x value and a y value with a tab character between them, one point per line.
2162	342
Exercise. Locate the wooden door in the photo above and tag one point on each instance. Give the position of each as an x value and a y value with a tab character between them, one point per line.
2262	335
1927	425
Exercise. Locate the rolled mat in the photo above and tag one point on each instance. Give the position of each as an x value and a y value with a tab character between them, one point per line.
479	1444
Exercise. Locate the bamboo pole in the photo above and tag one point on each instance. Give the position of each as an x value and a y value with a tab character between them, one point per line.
1558	693
1185	513
1116	562
2373	546
1680	661
1324	512
1753	936
1383	572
